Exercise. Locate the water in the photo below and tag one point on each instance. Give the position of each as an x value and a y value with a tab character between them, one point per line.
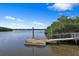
12	44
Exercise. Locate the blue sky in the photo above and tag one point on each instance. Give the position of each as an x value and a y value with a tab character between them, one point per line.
38	15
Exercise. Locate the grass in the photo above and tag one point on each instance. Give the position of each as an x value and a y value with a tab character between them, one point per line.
65	50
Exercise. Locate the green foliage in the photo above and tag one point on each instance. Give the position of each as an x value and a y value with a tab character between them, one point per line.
63	24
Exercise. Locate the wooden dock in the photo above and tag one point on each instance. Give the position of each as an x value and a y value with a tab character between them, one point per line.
35	42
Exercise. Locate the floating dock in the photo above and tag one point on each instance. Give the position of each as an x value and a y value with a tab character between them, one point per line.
35	42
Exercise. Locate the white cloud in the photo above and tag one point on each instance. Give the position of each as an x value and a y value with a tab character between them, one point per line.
13	18
0	24
18	25
10	18
20	20
61	6
26	26
38	23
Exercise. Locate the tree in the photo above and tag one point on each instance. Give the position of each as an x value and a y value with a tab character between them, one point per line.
63	24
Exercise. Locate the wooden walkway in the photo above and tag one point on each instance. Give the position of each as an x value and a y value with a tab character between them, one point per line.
74	36
59	39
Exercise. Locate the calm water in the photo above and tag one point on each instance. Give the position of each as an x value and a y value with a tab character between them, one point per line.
12	44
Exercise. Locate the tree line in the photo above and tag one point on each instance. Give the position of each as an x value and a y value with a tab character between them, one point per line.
5	29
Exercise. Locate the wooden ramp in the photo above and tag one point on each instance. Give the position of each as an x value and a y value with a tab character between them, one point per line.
59	39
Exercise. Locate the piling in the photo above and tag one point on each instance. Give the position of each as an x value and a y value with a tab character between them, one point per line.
32	32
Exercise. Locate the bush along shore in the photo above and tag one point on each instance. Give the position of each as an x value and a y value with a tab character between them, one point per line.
64	24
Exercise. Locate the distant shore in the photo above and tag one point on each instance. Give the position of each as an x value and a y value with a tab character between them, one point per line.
2	29
28	29
8	29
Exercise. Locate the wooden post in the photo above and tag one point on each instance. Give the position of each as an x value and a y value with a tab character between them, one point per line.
51	32
76	38
32	32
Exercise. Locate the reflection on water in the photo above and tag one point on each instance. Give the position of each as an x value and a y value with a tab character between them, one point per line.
12	43
34	46
35	50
